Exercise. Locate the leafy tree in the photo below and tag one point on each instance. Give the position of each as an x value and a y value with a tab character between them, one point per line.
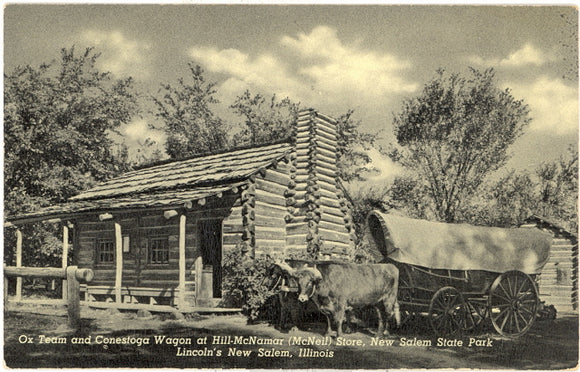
57	118
266	120
185	111
506	202
454	134
558	189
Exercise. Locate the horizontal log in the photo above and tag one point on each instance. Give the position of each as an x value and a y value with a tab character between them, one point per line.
329	135
329	162
328	154
321	140
337	227
330	203
339	220
321	170
231	239
297	228
270	198
328	194
233	228
265	233
326	146
327	119
299	240
265	207
274	176
334	236
82	274
328	180
38	272
262	220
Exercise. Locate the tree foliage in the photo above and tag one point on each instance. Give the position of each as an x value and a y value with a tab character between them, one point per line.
265	120
456	133
57	121
187	118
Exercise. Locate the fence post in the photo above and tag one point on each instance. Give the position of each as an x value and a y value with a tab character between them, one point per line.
64	258
73	297
74	276
18	264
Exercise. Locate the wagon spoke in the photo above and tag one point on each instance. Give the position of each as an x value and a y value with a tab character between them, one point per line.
524	284
501	297
508	313
509	285
527	310
504	291
515	318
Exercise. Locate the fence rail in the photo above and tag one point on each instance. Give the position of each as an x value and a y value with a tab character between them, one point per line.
73	276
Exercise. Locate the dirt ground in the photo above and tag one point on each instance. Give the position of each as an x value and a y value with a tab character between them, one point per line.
550	344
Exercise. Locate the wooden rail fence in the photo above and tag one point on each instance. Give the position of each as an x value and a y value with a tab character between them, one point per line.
73	276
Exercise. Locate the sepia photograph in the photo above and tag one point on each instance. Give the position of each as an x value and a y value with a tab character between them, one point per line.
290	186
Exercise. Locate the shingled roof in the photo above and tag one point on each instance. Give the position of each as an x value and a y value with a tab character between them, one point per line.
171	183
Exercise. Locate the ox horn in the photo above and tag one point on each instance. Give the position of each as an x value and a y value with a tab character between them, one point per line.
284	266
317	273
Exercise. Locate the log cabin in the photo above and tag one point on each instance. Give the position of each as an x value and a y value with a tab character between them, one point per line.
558	283
158	234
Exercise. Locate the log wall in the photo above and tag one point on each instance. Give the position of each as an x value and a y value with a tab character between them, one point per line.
140	227
558	283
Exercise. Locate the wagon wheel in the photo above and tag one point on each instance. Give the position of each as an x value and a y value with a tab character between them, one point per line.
446	311
475	312
513	303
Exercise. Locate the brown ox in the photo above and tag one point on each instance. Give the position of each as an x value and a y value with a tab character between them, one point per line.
334	287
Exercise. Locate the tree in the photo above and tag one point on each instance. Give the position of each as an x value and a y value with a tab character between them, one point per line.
57	121
265	120
558	189
187	119
454	134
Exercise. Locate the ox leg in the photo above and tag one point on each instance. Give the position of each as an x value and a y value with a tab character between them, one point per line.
329	328
339	319
381	327
392	310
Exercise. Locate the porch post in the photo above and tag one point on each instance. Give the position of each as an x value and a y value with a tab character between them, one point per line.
182	222
64	258
18	264
118	263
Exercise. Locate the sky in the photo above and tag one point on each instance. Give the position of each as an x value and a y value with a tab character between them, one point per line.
329	57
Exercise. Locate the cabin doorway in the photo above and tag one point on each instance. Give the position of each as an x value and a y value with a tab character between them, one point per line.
210	234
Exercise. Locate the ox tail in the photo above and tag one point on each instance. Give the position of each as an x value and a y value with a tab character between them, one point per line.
397	314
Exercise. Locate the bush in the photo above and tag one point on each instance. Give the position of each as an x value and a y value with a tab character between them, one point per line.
244	282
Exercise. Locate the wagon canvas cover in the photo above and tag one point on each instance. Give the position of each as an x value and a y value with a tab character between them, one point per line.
459	246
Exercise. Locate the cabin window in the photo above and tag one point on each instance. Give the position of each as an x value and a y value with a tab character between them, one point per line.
159	250
105	251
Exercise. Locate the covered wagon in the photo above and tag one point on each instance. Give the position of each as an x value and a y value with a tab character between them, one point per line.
460	275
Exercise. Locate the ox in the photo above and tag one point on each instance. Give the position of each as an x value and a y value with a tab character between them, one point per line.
335	286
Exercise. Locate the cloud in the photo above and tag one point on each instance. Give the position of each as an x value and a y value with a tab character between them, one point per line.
528	55
139	131
120	55
553	104
383	169
329	71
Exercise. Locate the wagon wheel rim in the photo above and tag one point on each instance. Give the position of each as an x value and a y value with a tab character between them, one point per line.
475	312
446	311
513	303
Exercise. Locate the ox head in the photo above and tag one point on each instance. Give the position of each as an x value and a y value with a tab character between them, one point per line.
307	278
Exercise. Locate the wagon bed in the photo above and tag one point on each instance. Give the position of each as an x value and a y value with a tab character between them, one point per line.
460	275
